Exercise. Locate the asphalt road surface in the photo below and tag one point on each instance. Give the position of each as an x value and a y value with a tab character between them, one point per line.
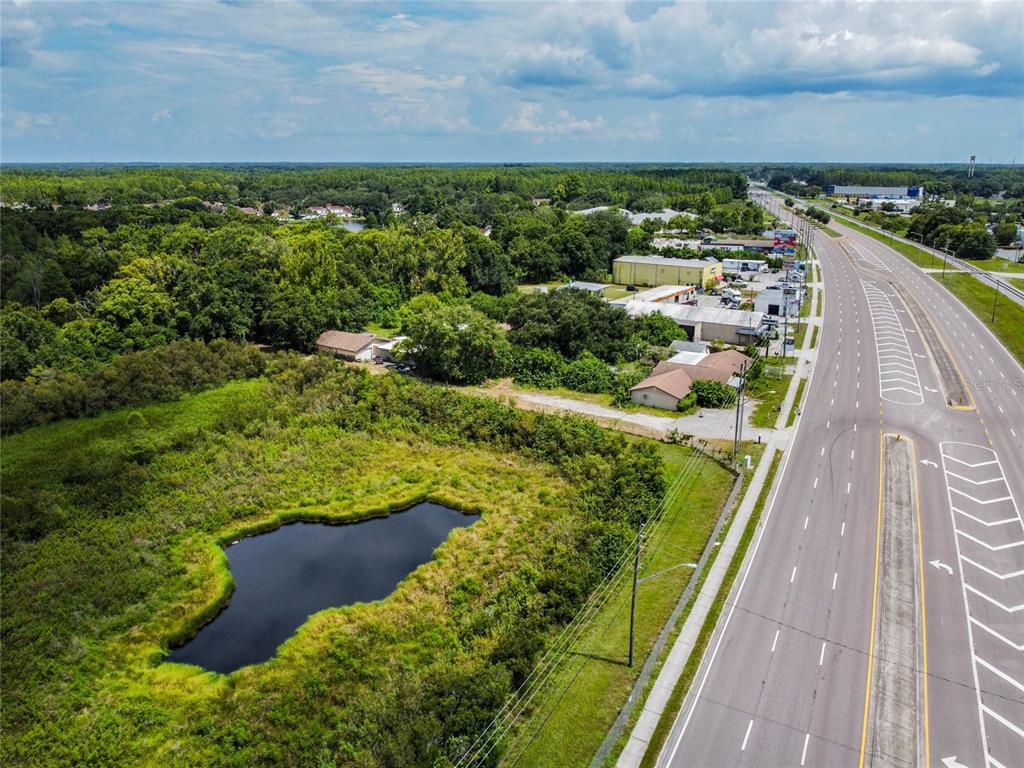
786	680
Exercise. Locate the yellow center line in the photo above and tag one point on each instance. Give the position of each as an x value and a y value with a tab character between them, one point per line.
924	621
874	604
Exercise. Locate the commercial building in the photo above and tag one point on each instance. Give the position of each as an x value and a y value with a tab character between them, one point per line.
663	270
780	300
735	266
673	294
758	246
902	205
892	193
731	326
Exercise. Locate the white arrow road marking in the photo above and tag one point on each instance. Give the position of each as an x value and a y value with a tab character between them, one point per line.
929	463
941	566
929	389
951	762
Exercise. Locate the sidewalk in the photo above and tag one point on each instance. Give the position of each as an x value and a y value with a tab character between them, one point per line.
657	700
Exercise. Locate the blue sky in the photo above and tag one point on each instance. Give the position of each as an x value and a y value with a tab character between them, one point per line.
209	81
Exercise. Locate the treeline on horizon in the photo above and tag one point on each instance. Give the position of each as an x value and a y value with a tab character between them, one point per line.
372	189
942	180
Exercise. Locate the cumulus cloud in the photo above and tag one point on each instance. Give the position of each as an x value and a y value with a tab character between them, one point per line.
617	76
528	118
17	123
389	81
548	65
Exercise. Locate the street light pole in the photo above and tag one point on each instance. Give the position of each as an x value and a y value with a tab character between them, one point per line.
995	299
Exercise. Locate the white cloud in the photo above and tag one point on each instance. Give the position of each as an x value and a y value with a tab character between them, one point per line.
387	81
161	114
17	123
528	118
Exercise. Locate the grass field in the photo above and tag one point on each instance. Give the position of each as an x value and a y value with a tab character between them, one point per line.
675	701
111	553
1009	321
1017	282
999	265
814	337
830	232
594	685
769	393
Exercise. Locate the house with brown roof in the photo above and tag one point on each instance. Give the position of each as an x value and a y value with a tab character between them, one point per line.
350	346
670	382
663	390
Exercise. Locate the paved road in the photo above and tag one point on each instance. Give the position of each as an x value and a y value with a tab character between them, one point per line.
785	680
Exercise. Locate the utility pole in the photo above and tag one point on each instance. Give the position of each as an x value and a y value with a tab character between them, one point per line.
739	413
636	580
995	299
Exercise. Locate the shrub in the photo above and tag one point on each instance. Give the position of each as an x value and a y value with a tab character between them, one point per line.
532	367
711	394
688	403
588	374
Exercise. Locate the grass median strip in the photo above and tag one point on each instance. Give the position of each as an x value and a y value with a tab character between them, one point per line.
796	403
814	337
707	630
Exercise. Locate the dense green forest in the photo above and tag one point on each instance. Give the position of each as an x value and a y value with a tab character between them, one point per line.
81	286
110	554
421	189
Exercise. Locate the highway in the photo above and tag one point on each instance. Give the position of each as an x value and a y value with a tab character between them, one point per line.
794	674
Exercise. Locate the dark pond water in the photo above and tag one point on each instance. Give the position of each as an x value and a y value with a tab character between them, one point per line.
284	576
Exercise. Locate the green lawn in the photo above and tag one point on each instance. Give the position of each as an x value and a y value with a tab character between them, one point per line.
1009	321
830	232
999	265
814	337
1017	282
616	292
769	393
707	629
593	685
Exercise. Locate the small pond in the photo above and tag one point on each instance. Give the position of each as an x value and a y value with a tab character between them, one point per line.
284	576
